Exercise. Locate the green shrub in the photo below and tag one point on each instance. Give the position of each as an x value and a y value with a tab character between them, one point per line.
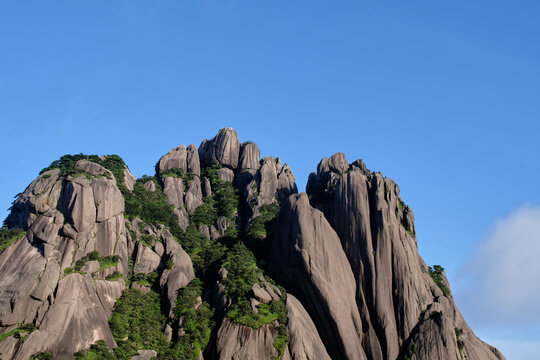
9	236
265	223
241	313
177	172
44	355
436	273
97	351
197	323
242	272
16	332
137	322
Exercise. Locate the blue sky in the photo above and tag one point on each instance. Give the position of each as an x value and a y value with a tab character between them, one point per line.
444	98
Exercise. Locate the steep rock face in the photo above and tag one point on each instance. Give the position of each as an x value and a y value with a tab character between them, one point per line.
241	342
84	320
67	218
307	254
347	252
223	149
305	342
393	284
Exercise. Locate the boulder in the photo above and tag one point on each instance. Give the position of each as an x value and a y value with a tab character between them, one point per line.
90	267
193	163
173	188
146	260
174	159
179	276
223	149
249	156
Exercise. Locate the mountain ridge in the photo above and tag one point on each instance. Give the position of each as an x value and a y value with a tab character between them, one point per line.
232	263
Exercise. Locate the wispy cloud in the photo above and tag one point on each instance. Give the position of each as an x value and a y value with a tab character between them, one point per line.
503	276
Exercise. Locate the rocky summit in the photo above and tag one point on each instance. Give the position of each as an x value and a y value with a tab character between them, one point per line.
217	256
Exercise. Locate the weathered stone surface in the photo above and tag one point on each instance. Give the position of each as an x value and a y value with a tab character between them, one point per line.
8	347
305	342
78	201
286	183
18	280
249	156
150	186
261	294
307	252
39	197
145	355
179	276
84	321
193	163
193	198
223	149
146	260
108	199
108	292
174	159
129	179
206	187
268	181
90	267
222	224
173	188
225	174
241	342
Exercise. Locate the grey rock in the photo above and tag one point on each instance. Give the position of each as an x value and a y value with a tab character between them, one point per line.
204	230
48	281
338	163
244	343
305	342
168	332
159	249
108	292
18	280
179	276
306	251
146	260
222	224
108	199
8	347
129	179
145	355
206	187
225	174
90	267
223	149
249	156
150	186
174	159
193	197
214	234
193	162
254	303
268	181
84	321
173	188
78	201
261	294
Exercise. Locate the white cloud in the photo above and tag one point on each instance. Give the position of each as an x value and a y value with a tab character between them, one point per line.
503	276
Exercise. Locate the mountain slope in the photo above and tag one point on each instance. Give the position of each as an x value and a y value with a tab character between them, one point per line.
218	257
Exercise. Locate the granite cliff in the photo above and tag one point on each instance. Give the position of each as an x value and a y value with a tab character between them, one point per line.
217	256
